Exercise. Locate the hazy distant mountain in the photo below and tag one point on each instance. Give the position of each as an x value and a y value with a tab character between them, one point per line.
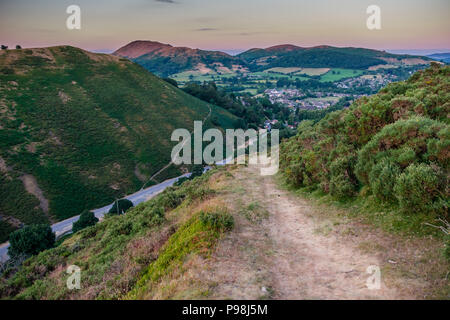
444	57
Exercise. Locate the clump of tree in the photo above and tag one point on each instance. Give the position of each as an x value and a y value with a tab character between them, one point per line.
4	47
197	171
251	111
18	47
31	240
87	219
393	146
120	207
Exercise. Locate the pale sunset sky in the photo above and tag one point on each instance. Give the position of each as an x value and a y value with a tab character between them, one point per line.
229	25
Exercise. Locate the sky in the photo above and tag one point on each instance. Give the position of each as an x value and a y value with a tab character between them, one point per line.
228	25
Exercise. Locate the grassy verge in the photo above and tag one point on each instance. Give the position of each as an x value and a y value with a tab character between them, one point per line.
196	237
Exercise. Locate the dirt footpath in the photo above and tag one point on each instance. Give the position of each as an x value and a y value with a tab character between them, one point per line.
280	249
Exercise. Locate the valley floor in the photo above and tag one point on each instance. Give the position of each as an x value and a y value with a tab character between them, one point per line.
285	247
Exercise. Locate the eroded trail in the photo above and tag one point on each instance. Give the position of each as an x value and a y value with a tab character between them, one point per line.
280	250
311	265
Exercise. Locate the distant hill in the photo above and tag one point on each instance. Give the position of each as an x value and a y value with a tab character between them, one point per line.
444	57
323	57
79	129
165	60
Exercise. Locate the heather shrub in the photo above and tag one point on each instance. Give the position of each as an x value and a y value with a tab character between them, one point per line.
217	220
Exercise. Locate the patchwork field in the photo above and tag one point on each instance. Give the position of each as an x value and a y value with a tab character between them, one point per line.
337	74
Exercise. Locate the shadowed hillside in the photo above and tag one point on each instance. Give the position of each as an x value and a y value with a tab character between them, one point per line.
78	129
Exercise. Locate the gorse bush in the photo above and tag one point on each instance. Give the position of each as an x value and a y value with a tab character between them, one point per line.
342	182
420	188
405	142
382	178
31	240
394	145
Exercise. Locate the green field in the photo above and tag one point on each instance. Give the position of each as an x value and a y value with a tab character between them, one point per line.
186	76
337	74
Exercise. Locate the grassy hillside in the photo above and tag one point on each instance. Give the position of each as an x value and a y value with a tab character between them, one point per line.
391	149
79	129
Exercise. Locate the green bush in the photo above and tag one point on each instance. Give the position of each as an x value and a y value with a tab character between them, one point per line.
170	199
120	207
197	171
382	180
342	183
219	220
31	240
180	181
421	189
87	219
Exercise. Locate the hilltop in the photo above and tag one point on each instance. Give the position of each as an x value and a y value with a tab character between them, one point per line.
79	129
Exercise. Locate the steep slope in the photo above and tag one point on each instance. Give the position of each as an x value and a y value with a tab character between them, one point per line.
163	59
78	129
393	148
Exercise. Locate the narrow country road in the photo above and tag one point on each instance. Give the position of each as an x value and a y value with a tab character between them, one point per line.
65	226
